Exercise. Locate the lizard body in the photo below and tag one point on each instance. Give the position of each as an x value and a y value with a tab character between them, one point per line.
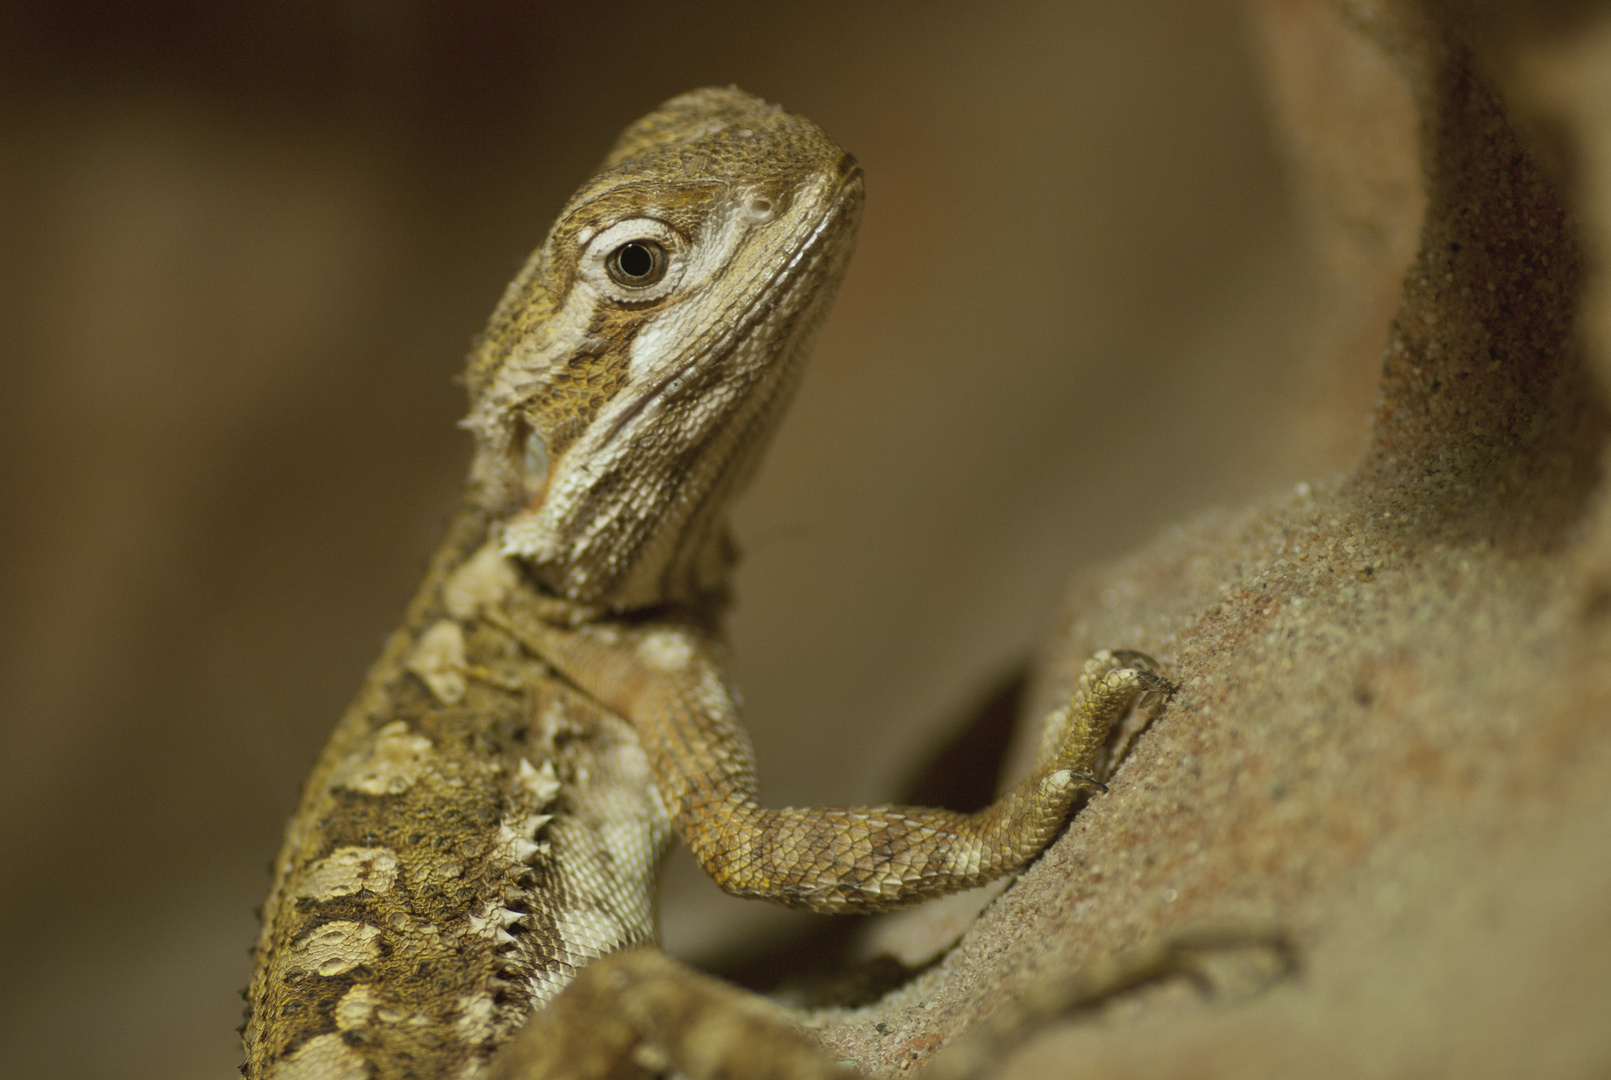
489	814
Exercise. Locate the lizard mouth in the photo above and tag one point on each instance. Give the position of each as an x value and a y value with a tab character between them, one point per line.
766	299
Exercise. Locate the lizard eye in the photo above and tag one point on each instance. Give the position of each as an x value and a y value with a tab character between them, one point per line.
637	264
636	261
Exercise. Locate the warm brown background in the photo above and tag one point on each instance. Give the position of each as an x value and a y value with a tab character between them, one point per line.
243	249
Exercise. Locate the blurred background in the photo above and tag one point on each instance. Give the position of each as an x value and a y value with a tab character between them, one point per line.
244	248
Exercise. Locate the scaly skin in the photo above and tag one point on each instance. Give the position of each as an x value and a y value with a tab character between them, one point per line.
488	816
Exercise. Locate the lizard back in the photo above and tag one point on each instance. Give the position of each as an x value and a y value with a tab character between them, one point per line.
466	844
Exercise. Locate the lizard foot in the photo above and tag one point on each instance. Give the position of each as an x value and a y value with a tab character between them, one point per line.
1111	685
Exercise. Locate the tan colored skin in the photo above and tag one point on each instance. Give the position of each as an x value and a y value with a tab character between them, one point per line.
489	813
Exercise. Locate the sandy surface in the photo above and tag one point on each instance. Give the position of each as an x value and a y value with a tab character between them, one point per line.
1392	738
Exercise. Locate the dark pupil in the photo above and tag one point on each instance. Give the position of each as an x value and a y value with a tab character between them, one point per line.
636	260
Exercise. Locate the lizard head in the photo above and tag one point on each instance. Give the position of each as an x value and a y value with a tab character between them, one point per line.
635	369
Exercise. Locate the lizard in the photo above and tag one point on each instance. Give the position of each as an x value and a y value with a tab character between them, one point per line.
488	816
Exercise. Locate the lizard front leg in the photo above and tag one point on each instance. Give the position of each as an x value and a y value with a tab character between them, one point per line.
639	1014
668	680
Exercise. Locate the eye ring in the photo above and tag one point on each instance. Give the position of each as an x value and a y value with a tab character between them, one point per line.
637	264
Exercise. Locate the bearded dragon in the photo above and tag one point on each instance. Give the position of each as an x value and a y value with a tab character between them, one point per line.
489	814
